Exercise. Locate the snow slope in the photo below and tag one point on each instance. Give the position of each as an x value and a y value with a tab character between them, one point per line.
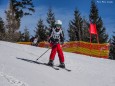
18	69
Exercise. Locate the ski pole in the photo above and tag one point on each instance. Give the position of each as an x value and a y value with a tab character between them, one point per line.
43	54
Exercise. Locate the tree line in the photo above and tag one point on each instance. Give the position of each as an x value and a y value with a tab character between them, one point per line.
78	27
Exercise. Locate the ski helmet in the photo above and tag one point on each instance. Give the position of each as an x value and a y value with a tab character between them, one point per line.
58	22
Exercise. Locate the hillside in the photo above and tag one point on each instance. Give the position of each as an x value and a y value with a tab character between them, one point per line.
17	68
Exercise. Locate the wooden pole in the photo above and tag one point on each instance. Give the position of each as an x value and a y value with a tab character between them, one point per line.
90	45
98	45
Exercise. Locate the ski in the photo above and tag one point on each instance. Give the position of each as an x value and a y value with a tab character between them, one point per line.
32	61
54	67
57	67
67	69
64	68
51	66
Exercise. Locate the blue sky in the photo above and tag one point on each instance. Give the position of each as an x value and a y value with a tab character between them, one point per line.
64	10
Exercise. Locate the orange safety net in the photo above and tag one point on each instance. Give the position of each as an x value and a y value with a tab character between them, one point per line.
98	50
80	47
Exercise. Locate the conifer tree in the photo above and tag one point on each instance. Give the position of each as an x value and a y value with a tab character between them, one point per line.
2	29
21	37
95	18
41	31
72	33
51	18
12	24
85	28
26	35
75	27
17	9
112	47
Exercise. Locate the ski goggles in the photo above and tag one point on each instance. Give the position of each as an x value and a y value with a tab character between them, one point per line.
58	25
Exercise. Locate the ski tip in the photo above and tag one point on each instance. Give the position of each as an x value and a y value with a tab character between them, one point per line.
36	60
69	70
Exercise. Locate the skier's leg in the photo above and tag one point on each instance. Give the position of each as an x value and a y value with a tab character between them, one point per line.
60	53
52	55
53	52
61	56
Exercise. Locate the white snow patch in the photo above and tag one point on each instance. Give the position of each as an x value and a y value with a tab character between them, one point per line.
18	68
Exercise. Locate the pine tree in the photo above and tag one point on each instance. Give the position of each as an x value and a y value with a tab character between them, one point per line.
22	7
51	18
112	47
72	33
21	37
26	35
41	31
16	10
2	29
85	28
94	18
75	27
12	25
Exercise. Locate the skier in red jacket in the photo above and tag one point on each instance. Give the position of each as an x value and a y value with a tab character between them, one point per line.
56	38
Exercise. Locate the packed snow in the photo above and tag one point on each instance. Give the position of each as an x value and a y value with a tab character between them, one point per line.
18	68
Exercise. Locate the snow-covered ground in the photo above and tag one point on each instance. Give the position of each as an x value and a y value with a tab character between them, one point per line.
17	68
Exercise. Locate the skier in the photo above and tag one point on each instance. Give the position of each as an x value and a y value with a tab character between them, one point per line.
55	39
35	41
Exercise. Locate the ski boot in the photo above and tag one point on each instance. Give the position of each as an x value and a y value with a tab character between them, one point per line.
50	63
62	65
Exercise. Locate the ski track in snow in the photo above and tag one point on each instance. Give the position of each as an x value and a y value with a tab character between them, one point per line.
13	81
23	51
86	71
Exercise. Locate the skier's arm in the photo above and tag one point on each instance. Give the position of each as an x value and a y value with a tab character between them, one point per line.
62	37
50	35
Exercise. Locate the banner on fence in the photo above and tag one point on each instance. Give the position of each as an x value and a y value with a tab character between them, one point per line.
80	47
98	50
